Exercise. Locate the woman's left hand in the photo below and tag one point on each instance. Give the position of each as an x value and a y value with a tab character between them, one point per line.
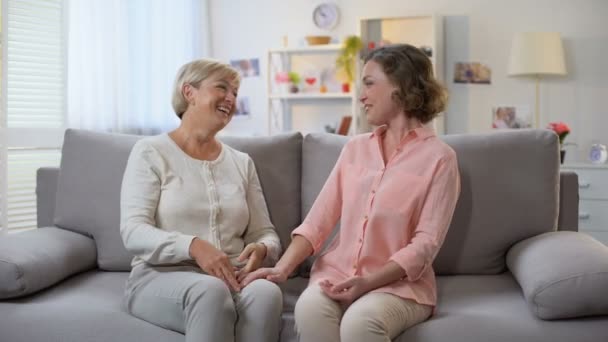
255	254
347	291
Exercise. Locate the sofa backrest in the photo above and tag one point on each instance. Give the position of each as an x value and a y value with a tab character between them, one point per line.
509	192
92	165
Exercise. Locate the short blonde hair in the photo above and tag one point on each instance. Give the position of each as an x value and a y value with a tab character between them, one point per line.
194	73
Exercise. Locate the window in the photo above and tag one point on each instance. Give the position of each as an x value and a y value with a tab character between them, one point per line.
32	116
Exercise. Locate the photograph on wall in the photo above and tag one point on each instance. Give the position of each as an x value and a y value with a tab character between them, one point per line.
473	72
247	67
242	107
511	117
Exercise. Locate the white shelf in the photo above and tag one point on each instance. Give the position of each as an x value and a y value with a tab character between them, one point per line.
584	166
312	96
309	49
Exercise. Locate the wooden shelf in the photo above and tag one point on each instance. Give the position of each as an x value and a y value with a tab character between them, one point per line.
313	96
308	49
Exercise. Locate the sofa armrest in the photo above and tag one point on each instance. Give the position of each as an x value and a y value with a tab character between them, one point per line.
36	259
562	274
568	201
46	188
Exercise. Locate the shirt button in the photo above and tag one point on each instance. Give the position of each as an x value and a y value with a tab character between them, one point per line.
365	218
355	267
373	191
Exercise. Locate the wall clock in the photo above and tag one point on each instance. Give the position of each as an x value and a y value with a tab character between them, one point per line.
326	15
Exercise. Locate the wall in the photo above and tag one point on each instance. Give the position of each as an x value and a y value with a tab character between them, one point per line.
475	30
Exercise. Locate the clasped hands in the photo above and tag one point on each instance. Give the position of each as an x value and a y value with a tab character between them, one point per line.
216	263
345	292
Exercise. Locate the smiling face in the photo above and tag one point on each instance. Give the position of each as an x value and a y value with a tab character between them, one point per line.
377	95
213	103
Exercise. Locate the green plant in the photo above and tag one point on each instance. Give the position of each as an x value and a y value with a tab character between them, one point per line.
348	54
294	77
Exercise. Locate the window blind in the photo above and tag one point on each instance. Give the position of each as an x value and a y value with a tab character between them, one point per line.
33	103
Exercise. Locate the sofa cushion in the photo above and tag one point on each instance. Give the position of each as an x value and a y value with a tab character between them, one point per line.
503	175
562	274
36	259
491	308
87	307
320	152
92	166
278	161
88	191
509	192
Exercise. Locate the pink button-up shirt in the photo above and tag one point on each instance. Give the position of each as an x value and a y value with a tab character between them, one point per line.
397	212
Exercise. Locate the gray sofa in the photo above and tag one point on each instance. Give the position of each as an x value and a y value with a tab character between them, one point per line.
512	268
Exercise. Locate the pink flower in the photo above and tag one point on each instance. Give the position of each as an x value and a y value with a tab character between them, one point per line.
561	129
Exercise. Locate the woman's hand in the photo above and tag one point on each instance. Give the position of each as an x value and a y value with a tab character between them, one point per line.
347	291
254	253
214	262
273	274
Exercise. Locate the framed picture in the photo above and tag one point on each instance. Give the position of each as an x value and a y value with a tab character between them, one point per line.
247	67
472	73
511	117
242	107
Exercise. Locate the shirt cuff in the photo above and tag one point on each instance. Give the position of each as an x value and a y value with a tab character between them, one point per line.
411	262
306	231
182	246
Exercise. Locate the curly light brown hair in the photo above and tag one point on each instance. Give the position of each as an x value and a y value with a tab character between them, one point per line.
411	71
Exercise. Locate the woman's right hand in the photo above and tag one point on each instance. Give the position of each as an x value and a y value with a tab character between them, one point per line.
273	274
214	262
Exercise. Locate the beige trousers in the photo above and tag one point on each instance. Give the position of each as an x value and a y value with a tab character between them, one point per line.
373	317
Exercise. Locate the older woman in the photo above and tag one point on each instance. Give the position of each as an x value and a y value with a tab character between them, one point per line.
194	215
395	191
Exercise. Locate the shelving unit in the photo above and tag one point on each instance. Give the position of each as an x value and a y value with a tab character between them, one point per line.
309	110
593	198
418	30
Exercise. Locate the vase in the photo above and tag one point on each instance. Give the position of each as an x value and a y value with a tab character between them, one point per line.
562	155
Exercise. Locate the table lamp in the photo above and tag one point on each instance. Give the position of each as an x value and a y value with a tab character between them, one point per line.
536	54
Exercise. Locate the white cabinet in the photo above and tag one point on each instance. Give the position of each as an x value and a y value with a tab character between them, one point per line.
422	31
593	194
311	108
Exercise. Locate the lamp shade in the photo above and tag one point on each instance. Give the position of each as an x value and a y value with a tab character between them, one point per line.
537	53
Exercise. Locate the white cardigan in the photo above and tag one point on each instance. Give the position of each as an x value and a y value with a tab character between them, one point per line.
168	198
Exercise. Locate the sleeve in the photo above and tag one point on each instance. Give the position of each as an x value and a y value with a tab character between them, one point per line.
326	209
434	221
260	229
139	198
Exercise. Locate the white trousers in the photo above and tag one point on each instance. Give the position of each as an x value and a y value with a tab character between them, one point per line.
186	300
373	317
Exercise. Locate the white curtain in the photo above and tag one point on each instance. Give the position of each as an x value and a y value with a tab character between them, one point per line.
122	59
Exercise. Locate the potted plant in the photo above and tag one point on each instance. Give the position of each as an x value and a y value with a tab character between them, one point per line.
294	79
346	59
562	130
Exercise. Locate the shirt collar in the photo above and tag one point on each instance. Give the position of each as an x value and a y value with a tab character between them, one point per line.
420	132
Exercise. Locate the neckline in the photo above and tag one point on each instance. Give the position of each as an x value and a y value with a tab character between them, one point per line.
192	159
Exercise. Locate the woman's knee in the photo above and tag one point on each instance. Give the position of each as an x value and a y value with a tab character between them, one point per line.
313	308
210	295
355	325
262	295
268	292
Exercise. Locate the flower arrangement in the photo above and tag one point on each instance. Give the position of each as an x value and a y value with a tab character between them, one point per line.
561	129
